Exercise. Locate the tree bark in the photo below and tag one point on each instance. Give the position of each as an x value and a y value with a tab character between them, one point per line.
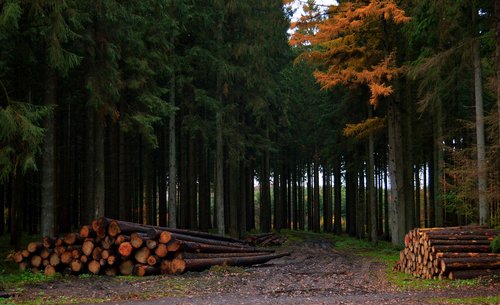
48	159
370	172
204	189
219	194
480	137
98	200
172	161
337	184
397	206
265	195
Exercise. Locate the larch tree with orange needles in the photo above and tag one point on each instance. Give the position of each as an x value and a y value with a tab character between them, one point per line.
351	47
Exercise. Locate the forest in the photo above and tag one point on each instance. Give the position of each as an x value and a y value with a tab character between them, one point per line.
363	117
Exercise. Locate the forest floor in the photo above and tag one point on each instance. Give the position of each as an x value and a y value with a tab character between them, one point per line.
322	269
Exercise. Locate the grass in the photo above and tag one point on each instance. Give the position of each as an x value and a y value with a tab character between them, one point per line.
384	252
470	300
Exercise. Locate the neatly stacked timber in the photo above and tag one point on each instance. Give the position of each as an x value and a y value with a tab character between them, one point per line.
265	239
114	247
453	252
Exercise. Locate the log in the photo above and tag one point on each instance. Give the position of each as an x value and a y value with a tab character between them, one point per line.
23	265
173	245
36	261
161	250
45	262
458	237
18	257
151	244
107	242
76	265
105	254
125	249
49	242
125	226
111	260
87	231
97	253
136	240
471	242
88	247
94	267
84	259
126	267
121	239
142	255
49	270
54	259
72	238
207	248
45	252
187	255
461	248
25	253
153	260
110	271
466	254
144	270
470	274
66	257
100	226
175	266
116	227
34	247
205	263
466	263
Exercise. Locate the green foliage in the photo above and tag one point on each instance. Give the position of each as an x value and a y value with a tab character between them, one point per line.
21	136
495	244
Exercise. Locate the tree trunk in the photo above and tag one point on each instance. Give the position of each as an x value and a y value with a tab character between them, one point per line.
316	201
16	210
48	159
204	186
397	206
162	183
327	201
265	195
124	177
219	194
417	195
192	183
497	61
98	206
172	161
234	204
480	136
301	208
361	220
242	199
337	184
370	172
278	210
351	191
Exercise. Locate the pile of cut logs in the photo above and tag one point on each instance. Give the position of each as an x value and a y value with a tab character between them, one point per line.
115	247
453	252
265	239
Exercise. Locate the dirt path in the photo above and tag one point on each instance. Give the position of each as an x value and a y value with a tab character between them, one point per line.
315	273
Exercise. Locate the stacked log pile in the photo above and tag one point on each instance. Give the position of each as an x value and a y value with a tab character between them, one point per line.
452	252
114	247
265	240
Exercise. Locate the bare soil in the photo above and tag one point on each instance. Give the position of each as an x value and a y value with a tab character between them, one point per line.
315	273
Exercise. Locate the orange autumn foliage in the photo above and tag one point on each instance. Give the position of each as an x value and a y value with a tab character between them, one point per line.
348	45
